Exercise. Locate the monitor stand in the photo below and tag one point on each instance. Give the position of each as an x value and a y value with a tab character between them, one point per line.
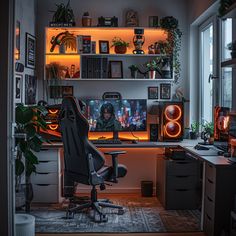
115	135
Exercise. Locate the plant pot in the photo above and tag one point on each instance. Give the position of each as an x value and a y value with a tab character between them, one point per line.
192	135
211	140
86	21
120	49
152	74
134	74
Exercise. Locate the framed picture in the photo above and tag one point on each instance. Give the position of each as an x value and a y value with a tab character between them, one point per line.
67	91
30	50
17	43
165	91
103	47
116	69
18	88
30	89
152	92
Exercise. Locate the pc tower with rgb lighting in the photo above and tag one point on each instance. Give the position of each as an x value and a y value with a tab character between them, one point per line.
171	121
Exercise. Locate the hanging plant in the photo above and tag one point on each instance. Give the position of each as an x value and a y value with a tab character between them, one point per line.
224	5
170	25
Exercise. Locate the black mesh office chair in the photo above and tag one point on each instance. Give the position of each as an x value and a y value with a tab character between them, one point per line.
84	163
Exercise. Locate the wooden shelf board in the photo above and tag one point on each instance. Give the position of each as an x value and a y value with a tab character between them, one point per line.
231	12
229	63
106	55
113	79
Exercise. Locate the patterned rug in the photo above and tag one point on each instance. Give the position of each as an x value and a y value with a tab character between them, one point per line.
141	215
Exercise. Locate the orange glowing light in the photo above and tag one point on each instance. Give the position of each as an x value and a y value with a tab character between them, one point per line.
173	112
172	129
52	111
53	127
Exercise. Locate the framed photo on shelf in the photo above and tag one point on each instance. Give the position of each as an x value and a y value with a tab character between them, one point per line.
17	43
30	50
103	47
165	91
116	69
18	88
30	89
152	92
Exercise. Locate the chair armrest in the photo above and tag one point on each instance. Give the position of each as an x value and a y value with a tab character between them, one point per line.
114	155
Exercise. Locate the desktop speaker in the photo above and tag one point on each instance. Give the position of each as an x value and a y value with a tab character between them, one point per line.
171	121
153	133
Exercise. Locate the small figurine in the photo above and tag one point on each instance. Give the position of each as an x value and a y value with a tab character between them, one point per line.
131	18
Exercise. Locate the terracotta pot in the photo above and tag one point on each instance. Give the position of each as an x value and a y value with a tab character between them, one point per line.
86	21
211	140
120	49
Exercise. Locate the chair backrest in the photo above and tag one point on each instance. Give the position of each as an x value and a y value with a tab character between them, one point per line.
74	129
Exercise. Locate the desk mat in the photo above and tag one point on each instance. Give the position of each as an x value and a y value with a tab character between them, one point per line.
141	215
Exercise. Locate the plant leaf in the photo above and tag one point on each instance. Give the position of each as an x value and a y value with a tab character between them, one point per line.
23	114
30	130
19	167
31	158
35	144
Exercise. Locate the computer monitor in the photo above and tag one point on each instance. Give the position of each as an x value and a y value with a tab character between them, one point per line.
117	115
232	125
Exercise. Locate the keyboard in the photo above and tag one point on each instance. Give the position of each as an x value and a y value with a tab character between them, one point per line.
200	147
224	148
106	141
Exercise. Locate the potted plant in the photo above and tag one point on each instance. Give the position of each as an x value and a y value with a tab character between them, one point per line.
64	14
173	46
160	47
86	20
232	47
153	66
134	71
208	128
194	130
28	141
120	46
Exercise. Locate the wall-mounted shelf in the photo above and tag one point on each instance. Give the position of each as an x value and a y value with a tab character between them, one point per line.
107	55
229	63
230	13
113	79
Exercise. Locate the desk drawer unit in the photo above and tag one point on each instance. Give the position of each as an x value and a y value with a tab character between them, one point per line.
177	182
46	182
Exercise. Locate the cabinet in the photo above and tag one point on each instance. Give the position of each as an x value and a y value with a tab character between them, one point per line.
47	181
218	198
73	58
177	183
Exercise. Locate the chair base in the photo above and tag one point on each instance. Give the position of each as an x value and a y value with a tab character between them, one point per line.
98	215
94	204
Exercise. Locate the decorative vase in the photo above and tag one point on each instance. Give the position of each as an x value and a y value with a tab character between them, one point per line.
152	74
134	74
211	140
86	21
120	49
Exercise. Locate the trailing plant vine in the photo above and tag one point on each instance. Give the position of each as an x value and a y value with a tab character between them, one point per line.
170	24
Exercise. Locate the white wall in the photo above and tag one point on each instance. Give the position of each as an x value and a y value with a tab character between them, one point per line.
25	14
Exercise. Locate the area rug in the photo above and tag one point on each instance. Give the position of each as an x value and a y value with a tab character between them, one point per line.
141	215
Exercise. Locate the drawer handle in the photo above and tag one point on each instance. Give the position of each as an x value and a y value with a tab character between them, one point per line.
181	190
209	199
182	176
44	161
43	184
208	216
40	173
182	162
210	181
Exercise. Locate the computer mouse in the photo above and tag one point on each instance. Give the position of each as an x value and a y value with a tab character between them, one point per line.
220	153
134	141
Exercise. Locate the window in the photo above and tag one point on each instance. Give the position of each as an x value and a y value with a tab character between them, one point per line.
226	83
206	69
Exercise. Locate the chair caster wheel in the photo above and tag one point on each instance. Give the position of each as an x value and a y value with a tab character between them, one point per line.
70	215
121	211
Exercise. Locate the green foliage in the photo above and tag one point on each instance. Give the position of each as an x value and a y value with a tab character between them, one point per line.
63	14
155	64
28	120
170	24
208	127
133	67
119	42
195	127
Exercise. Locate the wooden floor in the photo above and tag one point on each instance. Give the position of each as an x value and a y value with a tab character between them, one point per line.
110	196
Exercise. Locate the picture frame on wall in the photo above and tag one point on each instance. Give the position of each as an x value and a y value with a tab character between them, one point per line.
152	92
67	91
116	69
104	47
30	50
17	41
30	89
165	91
18	88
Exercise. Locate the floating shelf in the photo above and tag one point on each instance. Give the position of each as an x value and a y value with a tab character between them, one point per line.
231	12
107	55
229	63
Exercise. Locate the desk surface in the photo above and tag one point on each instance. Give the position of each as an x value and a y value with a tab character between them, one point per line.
204	155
